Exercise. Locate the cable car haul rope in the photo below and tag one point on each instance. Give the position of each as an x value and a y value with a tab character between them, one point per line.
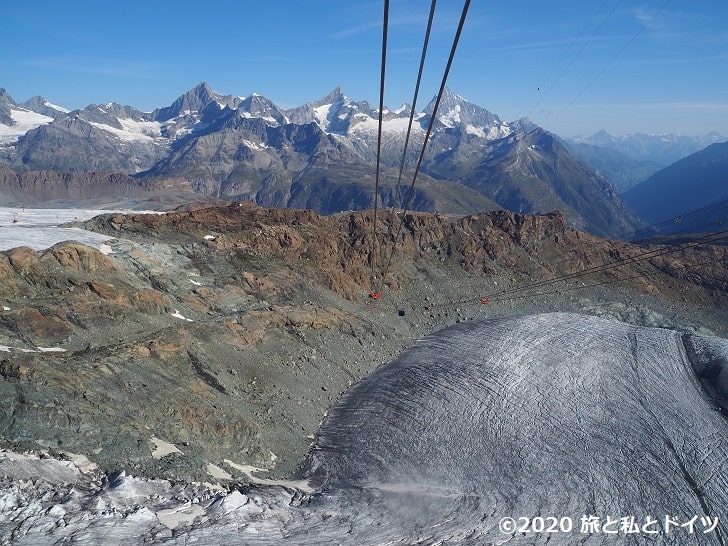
374	282
377	281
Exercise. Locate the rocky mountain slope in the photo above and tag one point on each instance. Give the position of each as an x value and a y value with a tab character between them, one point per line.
692	183
93	189
228	332
320	155
534	173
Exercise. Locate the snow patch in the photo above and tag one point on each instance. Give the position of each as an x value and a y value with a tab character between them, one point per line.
25	120
162	448
490	133
254	145
452	118
13	456
81	462
233	501
184	514
321	114
249	470
133	131
105	249
477	131
499	132
366	124
245	468
217	472
178	315
56	107
9	349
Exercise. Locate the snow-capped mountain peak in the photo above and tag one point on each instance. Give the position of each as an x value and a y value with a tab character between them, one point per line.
196	100
42	106
455	112
201	110
258	106
333	113
17	119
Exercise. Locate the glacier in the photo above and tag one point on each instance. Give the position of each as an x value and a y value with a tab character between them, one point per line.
25	120
556	415
42	228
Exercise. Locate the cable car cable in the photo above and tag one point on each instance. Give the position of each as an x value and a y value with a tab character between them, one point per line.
414	102
410	193
379	141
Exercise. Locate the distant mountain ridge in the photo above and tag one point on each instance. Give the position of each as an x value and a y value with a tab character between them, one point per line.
663	149
92	189
319	155
622	170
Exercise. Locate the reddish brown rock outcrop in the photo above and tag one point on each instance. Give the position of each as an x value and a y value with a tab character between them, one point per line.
40	329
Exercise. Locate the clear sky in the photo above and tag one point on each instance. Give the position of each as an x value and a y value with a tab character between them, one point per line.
572	66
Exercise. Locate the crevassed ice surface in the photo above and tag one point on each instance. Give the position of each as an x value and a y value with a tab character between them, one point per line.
560	415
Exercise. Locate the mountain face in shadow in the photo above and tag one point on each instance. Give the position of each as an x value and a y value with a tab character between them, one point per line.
692	183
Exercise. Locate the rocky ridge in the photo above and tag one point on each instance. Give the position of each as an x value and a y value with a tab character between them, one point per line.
91	189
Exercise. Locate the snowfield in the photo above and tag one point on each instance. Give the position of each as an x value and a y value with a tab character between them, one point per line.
25	120
133	130
42	228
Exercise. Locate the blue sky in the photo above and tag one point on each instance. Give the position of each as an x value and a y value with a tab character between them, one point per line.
573	67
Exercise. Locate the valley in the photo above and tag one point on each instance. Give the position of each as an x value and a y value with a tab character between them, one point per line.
234	329
189	369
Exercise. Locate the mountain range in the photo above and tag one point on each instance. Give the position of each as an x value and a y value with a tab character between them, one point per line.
630	159
661	149
320	155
